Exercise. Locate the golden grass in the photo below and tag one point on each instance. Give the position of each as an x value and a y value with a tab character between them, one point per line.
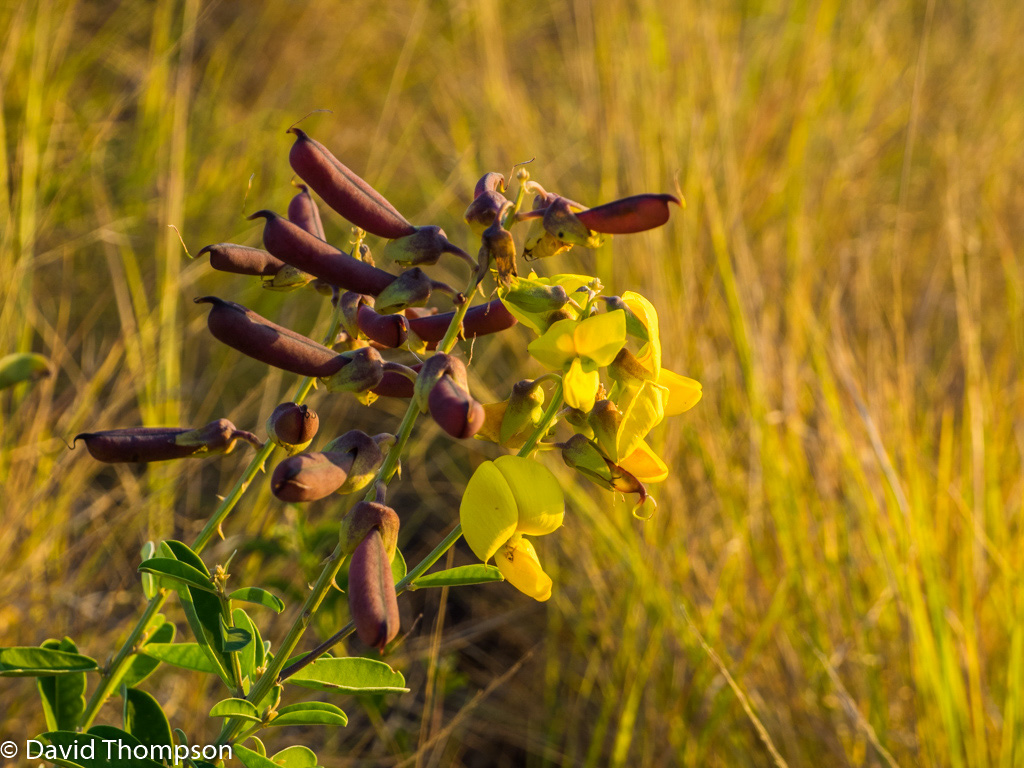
832	576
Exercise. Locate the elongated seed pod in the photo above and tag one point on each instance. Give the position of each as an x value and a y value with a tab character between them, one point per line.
628	215
242	260
344	191
481	320
310	476
257	337
294	245
396	385
454	409
302	210
387	330
145	444
371	593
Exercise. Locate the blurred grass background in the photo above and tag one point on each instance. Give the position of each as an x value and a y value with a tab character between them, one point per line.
833	573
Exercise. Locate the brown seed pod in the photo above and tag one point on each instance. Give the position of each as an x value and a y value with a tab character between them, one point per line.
371	593
294	245
310	476
302	210
145	444
344	191
242	260
395	385
454	409
257	337
628	215
293	426
368	458
367	516
481	320
387	330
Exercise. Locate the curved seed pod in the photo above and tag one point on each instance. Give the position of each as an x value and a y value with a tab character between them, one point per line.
489	182
361	370
310	476
454	409
628	215
481	320
424	246
367	454
302	210
242	260
145	444
367	516
344	191
387	330
412	288
292	426
371	593
257	337
395	385
433	370
488	202
294	245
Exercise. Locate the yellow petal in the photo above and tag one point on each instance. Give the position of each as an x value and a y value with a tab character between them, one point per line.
519	565
556	347
493	415
683	392
488	511
580	386
650	353
537	493
600	337
645	465
644	411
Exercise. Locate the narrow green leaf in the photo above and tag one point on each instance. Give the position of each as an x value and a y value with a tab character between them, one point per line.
310	713
233	639
149	587
260	749
176	570
460	576
259	597
63	696
185	554
251	759
235	708
145	720
184	655
30	661
398	566
141	667
352	674
296	757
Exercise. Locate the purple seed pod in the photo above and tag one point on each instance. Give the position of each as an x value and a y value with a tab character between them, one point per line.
302	210
628	215
365	517
294	245
455	411
481	320
387	330
396	385
268	342
368	457
292	426
242	260
145	444
310	476
488	202
371	593
344	191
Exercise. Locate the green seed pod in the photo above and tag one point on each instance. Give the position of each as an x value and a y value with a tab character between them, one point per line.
146	444
292	426
371	593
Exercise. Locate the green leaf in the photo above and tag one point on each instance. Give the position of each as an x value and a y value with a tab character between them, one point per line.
251	656
185	655
233	639
353	674
30	661
67	749
398	566
142	666
251	759
149	587
236	708
260	749
259	597
296	757
178	571
460	576
185	554
144	719
310	713
63	696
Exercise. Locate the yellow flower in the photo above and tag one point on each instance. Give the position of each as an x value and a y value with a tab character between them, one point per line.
504	500
579	348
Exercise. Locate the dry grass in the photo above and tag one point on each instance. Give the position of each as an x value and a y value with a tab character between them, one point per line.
833	573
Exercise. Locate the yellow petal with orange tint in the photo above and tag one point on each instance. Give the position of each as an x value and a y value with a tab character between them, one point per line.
645	465
519	565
